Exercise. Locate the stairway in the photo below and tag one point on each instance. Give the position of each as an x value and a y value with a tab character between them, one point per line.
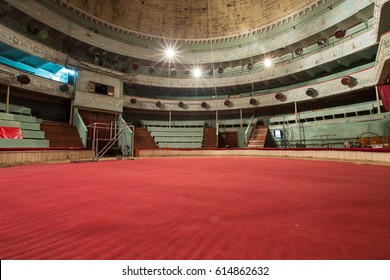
209	138
258	137
61	135
142	139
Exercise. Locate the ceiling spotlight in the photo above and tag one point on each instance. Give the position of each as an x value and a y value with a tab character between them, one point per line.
133	100
197	73
299	51
151	69
23	79
181	104
252	101
188	71
170	53
135	66
322	41
64	88
279	96
311	92
227	102
173	71
267	62
340	33
210	71
158	104
348	81
249	66
203	104
33	29
43	34
220	70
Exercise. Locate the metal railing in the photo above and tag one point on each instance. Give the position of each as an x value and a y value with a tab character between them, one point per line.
113	135
248	130
81	128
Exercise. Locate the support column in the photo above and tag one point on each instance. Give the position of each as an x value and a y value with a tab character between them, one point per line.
378	102
7	99
216	128
241	117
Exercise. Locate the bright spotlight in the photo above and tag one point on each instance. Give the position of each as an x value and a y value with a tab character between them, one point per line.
267	62
170	53
197	73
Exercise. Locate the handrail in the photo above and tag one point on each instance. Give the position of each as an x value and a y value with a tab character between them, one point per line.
81	128
248	130
126	142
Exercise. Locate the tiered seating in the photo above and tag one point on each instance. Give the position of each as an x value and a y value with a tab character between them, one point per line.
16	109
177	134
31	135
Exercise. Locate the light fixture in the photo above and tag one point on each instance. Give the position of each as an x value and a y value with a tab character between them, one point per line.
340	33
170	53
64	88
133	100
112	60
173	71
279	96
298	51
33	29
252	101
348	81
267	62
181	104
43	34
158	104
135	66
187	71
197	73
203	104
312	92
210	71
227	102
220	70
23	79
322	41
249	66
151	69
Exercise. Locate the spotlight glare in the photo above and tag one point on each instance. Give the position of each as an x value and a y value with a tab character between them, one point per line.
197	73
170	53
267	62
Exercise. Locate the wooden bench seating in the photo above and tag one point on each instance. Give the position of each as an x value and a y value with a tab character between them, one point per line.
32	136
179	134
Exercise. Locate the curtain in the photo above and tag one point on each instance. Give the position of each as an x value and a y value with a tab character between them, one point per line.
384	92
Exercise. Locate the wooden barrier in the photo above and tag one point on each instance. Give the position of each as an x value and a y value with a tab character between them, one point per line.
42	156
353	155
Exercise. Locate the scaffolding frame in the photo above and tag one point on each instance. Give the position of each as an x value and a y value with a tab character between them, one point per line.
113	134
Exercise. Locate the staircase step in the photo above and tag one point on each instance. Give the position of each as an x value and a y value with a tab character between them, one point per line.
258	137
61	135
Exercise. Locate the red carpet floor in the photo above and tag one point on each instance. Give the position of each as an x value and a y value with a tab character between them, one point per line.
195	208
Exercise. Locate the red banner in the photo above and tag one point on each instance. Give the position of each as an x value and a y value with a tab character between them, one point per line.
10	132
384	91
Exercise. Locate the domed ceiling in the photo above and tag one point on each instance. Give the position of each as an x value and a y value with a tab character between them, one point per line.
191	19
